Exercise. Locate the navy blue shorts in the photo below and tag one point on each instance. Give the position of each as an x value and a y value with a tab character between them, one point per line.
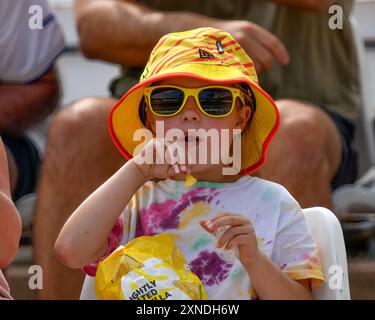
348	170
27	161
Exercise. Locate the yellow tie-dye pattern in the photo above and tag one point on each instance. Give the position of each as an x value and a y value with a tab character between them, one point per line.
198	209
260	241
132	203
240	293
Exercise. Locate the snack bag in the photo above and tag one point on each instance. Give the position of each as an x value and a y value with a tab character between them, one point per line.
148	268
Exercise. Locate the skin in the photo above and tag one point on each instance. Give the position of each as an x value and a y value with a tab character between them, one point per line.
62	188
83	238
24	105
191	118
307	141
10	222
147	26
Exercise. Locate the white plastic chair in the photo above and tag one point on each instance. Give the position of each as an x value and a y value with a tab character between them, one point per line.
366	121
328	236
355	203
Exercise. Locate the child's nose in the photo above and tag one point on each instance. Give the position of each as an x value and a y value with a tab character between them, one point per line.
190	111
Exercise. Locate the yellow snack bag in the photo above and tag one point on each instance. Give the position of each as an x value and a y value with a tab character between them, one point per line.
148	268
190	181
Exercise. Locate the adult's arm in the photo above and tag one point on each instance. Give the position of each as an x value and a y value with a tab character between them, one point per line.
10	222
312	5
124	32
23	105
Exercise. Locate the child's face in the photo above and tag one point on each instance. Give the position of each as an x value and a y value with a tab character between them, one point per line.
191	117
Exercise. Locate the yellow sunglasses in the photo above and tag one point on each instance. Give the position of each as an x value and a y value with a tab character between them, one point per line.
213	101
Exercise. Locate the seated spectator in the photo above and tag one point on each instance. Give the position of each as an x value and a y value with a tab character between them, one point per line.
29	89
316	92
10	224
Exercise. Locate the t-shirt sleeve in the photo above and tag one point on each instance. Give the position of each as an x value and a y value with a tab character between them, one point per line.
295	251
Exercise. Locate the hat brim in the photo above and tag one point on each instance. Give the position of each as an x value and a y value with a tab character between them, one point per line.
124	118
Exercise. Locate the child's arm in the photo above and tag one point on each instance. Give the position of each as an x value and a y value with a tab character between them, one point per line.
266	278
271	283
10	222
84	237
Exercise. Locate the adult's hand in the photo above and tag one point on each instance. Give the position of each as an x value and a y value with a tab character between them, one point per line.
262	46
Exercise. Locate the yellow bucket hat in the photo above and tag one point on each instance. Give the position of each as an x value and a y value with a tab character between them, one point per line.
210	55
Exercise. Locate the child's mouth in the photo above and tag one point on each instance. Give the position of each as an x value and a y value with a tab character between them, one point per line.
191	139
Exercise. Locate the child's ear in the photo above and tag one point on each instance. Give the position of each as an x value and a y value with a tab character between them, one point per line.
245	114
150	123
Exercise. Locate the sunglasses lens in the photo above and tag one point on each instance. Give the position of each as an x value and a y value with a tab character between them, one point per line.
216	101
166	101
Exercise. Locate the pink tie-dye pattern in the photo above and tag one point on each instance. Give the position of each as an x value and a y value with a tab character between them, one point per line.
161	216
113	242
157	218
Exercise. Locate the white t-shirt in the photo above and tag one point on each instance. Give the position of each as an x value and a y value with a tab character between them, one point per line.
27	53
169	207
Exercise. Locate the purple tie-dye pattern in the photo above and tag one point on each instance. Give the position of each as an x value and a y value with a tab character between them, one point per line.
139	232
210	268
199	194
156	213
161	216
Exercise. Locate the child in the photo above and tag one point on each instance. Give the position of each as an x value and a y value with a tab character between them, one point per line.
199	79
10	224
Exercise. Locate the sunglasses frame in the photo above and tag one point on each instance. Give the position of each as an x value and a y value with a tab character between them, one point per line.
236	93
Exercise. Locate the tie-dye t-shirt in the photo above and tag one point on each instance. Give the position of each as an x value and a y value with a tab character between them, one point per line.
169	207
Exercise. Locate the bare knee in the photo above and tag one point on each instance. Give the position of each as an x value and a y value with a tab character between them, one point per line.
298	157
302	139
75	132
80	119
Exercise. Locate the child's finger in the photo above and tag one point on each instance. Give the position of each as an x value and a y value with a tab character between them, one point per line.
175	153
230	220
236	241
224	214
203	224
172	171
210	222
231	233
176	168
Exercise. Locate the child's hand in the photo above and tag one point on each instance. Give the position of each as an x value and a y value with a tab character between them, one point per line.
240	233
168	165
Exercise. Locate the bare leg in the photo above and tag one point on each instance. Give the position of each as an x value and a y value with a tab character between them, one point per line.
305	154
79	157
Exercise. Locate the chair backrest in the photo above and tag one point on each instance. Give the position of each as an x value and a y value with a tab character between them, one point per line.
366	121
328	236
